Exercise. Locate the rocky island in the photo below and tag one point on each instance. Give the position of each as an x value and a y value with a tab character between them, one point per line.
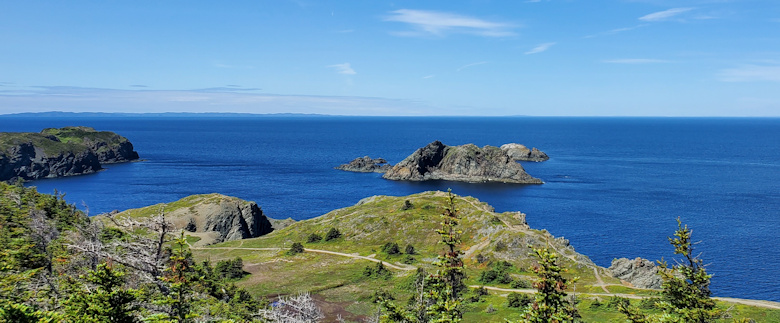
519	152
60	152
366	165
466	163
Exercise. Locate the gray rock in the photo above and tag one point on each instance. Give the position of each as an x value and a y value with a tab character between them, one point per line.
519	152
216	218
366	165
641	273
466	163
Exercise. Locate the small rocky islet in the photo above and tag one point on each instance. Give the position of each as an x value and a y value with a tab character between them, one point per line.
67	151
464	163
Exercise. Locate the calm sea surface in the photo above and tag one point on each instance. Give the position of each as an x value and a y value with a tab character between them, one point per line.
613	186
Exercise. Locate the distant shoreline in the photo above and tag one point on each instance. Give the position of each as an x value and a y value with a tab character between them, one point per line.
62	114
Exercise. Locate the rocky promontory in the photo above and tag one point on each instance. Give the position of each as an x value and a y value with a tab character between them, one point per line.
639	272
60	152
466	163
366	165
212	217
519	152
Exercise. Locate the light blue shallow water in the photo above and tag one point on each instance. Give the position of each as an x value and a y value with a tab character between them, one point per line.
614	186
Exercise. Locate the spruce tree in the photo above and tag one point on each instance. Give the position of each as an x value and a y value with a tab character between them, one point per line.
686	287
550	303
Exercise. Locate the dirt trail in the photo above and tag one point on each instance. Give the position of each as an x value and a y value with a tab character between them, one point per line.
750	302
387	264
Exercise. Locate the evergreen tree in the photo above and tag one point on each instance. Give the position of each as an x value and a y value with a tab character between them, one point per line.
686	287
550	304
178	276
107	302
441	293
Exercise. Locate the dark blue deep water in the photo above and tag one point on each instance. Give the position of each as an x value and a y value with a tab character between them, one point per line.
614	186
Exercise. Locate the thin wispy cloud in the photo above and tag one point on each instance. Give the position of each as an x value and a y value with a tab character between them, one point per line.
635	61
344	68
664	15
540	48
469	65
751	73
439	23
78	99
615	31
429	76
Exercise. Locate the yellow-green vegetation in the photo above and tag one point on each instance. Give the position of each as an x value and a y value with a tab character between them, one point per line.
59	141
492	241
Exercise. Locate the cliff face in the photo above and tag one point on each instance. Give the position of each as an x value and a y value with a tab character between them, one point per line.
60	152
466	163
212	217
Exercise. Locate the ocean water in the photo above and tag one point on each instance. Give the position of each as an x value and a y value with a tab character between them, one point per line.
613	186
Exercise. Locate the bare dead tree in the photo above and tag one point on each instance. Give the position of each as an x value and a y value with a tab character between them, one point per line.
142	248
293	309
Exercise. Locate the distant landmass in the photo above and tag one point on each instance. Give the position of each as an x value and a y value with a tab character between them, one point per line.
60	152
61	114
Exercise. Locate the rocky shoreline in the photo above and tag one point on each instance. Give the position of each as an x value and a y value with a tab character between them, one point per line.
60	152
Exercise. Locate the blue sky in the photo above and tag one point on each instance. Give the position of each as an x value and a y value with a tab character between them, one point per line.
491	58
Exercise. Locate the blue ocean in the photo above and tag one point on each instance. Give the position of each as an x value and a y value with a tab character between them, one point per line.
613	186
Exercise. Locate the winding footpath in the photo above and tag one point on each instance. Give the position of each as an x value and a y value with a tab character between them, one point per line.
750	302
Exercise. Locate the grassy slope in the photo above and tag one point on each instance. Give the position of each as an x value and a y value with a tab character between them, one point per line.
381	219
71	139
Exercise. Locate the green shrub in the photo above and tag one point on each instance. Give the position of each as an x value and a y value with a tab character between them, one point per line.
391	248
407	206
409	250
377	271
313	238
295	249
408	260
230	269
518	300
333	233
520	283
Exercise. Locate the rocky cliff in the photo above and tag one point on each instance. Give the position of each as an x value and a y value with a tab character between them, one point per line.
466	163
212	217
60	152
366	165
639	272
519	152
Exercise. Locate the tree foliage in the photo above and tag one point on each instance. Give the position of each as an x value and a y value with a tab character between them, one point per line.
439	296
550	303
686	287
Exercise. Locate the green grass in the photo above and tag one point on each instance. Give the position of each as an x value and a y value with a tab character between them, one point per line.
65	140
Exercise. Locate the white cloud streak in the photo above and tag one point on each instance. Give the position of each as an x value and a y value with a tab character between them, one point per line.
751	73
77	99
635	61
440	23
664	15
344	68
469	65
540	48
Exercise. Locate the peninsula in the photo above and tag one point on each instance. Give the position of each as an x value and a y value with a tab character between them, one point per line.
60	152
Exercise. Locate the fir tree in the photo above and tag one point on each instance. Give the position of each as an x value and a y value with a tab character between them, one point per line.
550	304
686	287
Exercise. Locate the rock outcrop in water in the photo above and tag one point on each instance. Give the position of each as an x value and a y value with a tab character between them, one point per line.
60	152
522	153
366	165
641	273
466	163
212	217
